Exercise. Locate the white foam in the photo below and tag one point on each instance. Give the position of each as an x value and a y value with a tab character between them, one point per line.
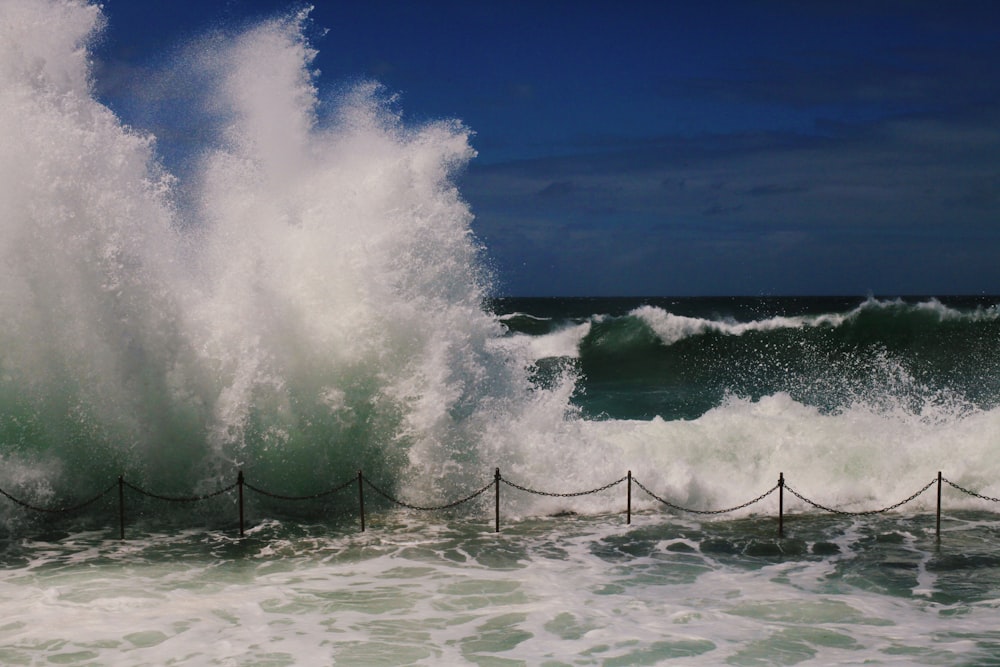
859	459
429	593
316	306
671	328
562	343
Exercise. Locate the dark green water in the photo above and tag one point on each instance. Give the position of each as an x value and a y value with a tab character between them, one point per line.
678	358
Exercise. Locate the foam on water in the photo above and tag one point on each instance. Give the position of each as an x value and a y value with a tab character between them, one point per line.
563	343
313	304
427	593
671	328
857	460
308	300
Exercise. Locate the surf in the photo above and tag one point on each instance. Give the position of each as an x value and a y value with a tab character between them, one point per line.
308	300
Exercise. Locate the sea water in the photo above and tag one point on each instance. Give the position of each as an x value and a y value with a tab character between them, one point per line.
306	300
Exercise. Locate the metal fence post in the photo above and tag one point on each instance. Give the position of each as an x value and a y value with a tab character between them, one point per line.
628	511
937	531
781	504
239	483
361	499
496	479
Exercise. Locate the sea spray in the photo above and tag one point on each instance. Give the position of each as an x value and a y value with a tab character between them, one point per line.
89	330
307	300
858	401
311	306
343	296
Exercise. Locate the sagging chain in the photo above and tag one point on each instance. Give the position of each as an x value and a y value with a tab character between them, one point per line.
313	496
564	495
484	489
694	511
971	493
59	510
410	506
180	499
861	513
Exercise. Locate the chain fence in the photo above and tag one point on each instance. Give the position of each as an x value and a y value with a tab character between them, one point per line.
428	508
882	510
178	499
58	510
694	511
311	496
362	483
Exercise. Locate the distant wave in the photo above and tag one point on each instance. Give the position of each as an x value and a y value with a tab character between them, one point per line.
671	328
527	323
889	353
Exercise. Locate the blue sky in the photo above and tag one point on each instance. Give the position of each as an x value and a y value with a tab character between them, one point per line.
674	148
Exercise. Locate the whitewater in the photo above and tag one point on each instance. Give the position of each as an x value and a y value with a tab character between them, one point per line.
307	299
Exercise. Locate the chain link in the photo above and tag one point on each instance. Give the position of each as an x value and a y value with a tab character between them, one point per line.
181	499
863	513
564	495
314	496
428	508
971	493
693	511
484	489
60	510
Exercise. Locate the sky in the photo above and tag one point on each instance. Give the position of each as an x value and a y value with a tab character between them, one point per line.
673	148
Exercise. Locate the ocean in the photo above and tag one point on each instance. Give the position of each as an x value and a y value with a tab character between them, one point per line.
546	481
